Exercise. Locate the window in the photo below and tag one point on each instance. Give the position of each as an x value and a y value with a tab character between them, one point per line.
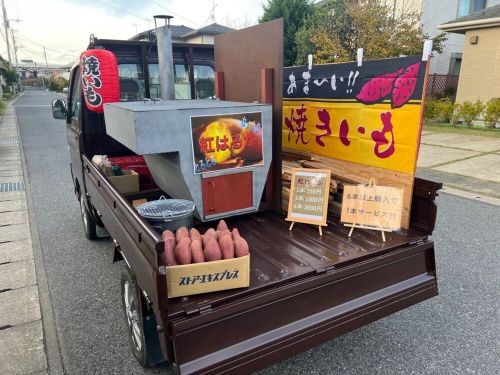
131	82
76	98
182	86
466	7
204	81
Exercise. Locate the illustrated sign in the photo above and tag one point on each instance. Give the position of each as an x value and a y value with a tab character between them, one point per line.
309	191
100	81
372	206
369	114
227	141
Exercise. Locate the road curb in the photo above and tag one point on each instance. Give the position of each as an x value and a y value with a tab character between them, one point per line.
52	347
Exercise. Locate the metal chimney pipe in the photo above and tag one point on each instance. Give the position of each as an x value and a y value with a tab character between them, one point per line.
165	59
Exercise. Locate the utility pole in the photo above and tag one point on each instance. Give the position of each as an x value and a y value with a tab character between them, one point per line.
17	20
15	47
6	26
45	53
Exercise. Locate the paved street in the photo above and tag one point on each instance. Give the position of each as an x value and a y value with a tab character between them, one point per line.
454	333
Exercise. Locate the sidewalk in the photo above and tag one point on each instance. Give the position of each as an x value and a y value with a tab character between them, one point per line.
468	165
22	344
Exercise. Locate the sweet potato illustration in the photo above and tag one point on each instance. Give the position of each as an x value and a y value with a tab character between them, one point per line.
183	251
181	233
194	234
222	225
404	86
212	250
377	88
168	253
227	246
197	255
240	247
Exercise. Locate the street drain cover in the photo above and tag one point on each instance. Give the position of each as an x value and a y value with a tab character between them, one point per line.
11	186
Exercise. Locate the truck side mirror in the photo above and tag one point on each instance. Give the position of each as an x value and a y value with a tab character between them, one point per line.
59	110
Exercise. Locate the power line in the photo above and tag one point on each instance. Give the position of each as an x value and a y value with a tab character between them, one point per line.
175	14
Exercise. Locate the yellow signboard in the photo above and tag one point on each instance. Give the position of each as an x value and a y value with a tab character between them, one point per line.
369	115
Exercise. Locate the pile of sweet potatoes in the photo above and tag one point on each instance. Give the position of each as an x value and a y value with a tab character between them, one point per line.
189	246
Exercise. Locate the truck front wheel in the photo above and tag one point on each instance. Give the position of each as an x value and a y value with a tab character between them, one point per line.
89	224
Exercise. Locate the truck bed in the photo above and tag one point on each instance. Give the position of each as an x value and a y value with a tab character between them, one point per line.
304	289
279	255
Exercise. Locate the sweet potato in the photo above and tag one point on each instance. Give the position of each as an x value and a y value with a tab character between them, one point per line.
221	233
181	233
207	236
168	234
195	235
240	247
183	251
168	253
227	246
236	234
212	250
222	225
197	252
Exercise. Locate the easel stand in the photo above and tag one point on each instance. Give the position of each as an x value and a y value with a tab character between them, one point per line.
354	225
319	228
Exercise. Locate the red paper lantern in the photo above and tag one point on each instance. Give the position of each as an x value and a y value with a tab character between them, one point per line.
100	80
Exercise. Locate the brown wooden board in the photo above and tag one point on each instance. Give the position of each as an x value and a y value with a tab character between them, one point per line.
241	55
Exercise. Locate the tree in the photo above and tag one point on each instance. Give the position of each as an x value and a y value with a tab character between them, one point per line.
294	14
337	29
10	75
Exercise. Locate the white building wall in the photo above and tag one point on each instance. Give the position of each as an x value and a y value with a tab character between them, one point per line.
437	12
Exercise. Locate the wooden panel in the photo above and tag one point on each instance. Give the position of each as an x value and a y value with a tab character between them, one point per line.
361	174
226	193
251	50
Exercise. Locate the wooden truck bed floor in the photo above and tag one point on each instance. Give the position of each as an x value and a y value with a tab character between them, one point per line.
279	255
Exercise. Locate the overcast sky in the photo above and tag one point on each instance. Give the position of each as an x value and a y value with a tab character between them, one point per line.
64	26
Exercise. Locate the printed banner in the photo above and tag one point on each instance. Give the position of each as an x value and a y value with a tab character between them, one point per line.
369	114
227	141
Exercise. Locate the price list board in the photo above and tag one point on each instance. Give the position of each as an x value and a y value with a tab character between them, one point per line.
309	191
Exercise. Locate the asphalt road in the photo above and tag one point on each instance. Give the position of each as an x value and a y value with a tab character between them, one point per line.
454	333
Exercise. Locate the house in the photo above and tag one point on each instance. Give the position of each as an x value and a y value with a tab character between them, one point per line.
435	13
185	34
480	71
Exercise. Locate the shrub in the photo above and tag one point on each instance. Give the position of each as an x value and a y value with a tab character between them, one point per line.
469	111
430	110
446	110
2	106
7	95
492	113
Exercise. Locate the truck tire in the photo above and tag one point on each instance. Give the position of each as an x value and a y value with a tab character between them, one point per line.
133	316
89	224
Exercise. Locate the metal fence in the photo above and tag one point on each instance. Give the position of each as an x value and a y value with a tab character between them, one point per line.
441	85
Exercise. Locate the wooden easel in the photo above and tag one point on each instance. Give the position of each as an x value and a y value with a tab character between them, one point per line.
319	228
371	183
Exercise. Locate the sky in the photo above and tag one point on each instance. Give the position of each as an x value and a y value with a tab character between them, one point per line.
64	26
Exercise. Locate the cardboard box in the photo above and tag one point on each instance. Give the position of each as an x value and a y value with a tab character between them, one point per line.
207	277
128	183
